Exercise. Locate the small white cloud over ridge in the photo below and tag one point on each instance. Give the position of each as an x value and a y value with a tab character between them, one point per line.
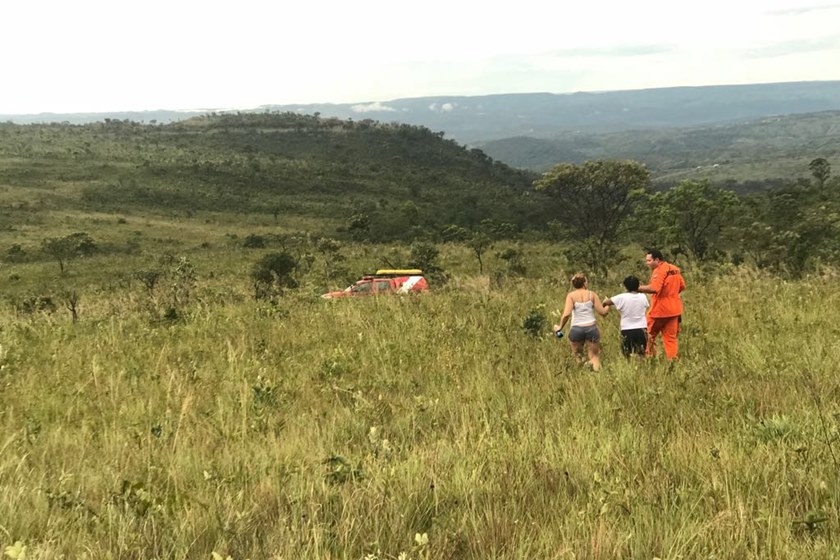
443	107
370	107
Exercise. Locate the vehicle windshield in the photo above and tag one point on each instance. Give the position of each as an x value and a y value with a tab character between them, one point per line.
361	288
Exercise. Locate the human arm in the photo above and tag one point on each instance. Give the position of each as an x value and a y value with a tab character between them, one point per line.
655	283
599	307
567	313
607	302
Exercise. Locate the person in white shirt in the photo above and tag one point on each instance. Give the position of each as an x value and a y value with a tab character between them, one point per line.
632	306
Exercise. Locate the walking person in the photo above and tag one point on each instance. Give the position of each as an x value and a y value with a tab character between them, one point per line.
581	306
632	307
666	284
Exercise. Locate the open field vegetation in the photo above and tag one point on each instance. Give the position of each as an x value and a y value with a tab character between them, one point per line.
300	427
172	386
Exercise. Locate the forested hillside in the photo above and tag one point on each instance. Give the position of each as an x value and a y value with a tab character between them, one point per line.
373	182
757	153
380	179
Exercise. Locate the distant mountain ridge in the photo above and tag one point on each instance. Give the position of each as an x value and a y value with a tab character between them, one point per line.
761	149
475	120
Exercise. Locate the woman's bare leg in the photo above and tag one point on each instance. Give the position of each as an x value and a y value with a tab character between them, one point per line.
577	351
594	349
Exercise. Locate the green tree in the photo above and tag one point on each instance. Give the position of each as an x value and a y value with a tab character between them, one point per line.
66	248
821	170
334	267
410	213
149	278
453	233
691	217
272	274
790	230
424	255
498	230
594	203
359	226
479	242
71	302
515	260
184	280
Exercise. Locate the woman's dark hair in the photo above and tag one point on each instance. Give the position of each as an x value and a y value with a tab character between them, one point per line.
631	283
579	280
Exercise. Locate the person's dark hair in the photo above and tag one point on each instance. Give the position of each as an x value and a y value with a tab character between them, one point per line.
631	283
579	280
656	254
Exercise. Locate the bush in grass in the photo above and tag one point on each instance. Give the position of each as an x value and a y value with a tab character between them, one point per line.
273	274
535	322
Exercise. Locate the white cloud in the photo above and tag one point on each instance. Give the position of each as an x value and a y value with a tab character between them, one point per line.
804	9
100	55
376	106
443	107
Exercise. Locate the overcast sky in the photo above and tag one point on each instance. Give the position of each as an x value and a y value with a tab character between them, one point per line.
110	55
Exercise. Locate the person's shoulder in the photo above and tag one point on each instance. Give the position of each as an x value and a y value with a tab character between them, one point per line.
622	300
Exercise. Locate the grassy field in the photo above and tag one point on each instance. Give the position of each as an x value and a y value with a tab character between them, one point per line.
427	427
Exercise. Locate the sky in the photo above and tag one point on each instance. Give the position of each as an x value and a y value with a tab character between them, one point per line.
63	56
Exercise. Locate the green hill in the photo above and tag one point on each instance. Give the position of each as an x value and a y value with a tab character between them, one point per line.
327	171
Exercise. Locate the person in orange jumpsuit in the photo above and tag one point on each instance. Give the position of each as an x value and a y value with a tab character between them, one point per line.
666	284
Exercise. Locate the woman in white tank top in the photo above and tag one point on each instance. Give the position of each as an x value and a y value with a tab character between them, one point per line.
581	306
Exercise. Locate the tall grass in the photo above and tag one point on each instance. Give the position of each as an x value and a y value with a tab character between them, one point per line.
428	427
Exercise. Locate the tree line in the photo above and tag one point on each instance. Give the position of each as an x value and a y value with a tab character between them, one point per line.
601	206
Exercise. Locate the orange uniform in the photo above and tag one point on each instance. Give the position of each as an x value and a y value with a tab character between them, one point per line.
666	284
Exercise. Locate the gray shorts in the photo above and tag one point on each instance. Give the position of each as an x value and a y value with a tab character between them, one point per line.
585	334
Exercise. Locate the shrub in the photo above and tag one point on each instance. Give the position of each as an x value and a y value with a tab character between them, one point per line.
272	274
535	322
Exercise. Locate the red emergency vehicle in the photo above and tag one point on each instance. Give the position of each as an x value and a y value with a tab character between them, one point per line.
385	281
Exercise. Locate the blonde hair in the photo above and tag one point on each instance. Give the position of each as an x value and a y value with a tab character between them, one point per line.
579	280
